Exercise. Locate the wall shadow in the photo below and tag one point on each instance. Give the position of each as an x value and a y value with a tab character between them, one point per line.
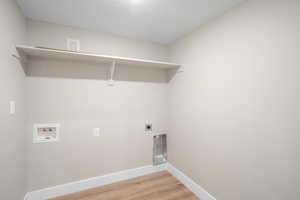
41	67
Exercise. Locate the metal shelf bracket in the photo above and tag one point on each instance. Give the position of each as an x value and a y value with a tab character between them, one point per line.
112	73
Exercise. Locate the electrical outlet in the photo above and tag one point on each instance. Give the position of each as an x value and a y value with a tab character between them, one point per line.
12	107
96	132
148	128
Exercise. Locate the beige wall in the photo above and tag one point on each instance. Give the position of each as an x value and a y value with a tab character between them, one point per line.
82	101
52	35
12	154
235	109
233	114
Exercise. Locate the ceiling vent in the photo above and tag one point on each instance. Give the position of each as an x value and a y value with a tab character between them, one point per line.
73	44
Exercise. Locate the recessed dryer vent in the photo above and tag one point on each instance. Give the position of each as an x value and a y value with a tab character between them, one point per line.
159	149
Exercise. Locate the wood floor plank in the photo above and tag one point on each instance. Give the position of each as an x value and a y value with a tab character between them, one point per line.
157	186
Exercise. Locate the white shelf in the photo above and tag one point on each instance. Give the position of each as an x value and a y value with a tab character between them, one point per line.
28	52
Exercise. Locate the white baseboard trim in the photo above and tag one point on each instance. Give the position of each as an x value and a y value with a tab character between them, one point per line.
90	183
190	184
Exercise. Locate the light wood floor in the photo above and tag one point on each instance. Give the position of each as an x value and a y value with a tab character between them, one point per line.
158	186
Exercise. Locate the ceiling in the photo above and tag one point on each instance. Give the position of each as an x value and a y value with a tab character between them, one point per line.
161	21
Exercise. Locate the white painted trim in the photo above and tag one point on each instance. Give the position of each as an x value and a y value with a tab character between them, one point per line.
190	184
77	186
71	55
